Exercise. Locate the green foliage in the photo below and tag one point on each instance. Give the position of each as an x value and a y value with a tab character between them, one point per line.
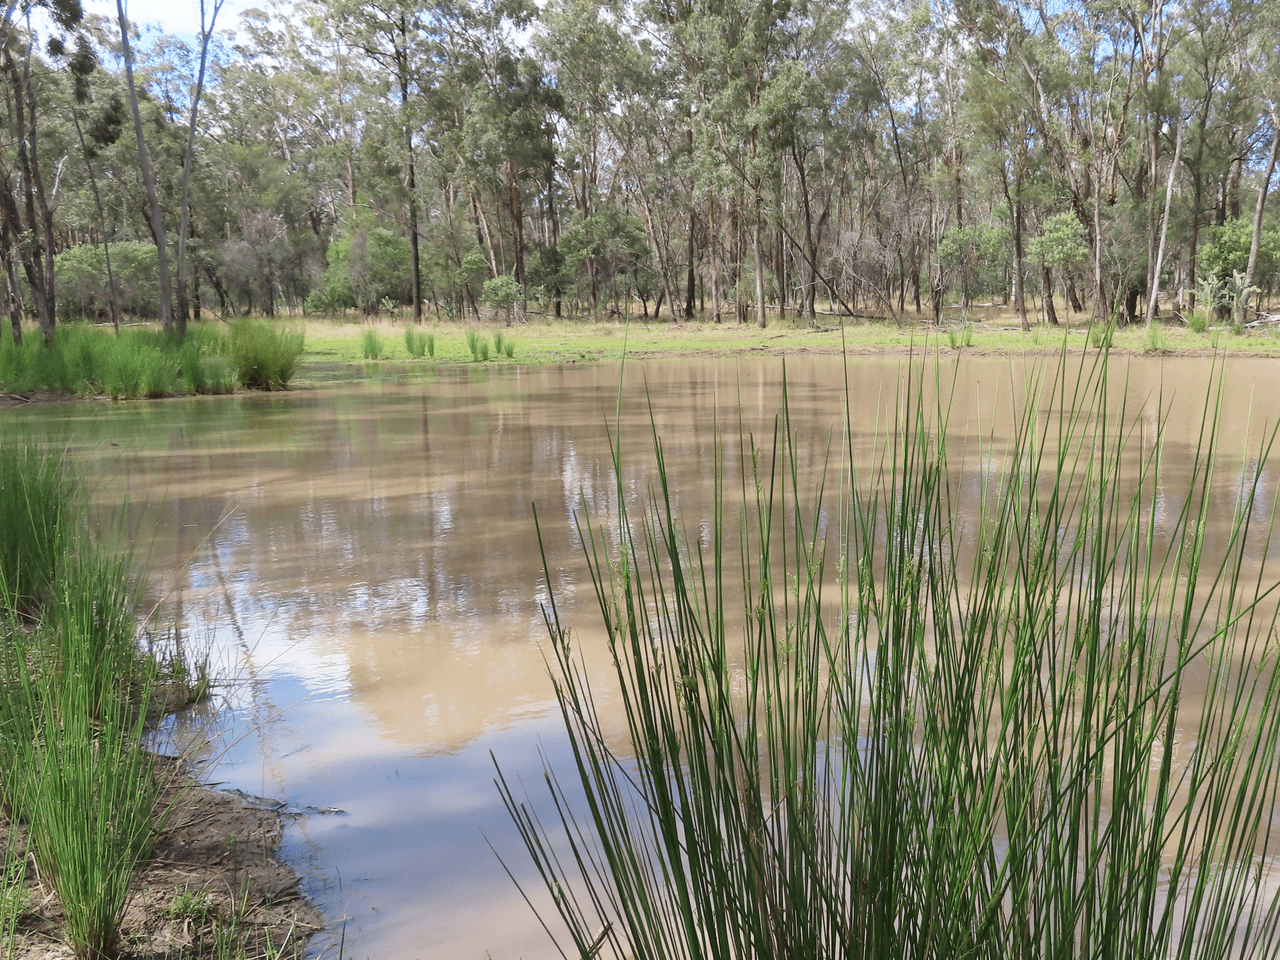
484	350
502	292
431	345
509	348
74	690
980	253
473	344
82	280
136	363
371	344
1228	252
952	738
1155	340
265	355
1101	335
1198	320
1061	242
497	343
368	267
960	335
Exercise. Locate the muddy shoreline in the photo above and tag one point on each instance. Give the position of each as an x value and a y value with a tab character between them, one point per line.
214	886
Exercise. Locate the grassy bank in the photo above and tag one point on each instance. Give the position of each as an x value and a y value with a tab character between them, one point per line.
142	362
861	725
339	349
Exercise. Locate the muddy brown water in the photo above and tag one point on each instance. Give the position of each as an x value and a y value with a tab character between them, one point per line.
361	564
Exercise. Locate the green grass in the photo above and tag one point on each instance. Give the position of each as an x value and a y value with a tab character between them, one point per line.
371	344
37	498
137	363
415	342
265	355
862	723
74	696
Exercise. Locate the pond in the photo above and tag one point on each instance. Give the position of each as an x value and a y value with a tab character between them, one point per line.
362	564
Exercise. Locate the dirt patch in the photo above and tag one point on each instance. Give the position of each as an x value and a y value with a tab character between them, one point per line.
213	888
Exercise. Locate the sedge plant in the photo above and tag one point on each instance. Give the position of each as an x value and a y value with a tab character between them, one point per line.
74	696
862	723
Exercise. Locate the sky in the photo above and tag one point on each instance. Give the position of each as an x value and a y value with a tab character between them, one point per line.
178	17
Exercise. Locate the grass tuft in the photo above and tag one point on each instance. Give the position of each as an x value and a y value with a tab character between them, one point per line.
265	355
415	342
371	344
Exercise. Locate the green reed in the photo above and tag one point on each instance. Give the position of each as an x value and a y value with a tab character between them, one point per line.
265	355
1052	731
371	344
415	342
74	693
36	498
124	366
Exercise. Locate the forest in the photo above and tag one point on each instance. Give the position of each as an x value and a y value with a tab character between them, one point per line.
730	160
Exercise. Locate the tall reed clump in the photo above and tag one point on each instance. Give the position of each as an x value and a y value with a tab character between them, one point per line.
1052	731
37	498
74	690
265	355
124	366
415	342
371	344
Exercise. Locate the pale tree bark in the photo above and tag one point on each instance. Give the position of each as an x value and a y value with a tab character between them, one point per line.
102	224
208	22
1154	286
148	177
1263	187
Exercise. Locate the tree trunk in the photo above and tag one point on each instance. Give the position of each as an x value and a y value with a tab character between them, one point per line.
12	296
184	204
1263	187
1153	288
1050	312
37	231
148	178
415	260
689	280
102	225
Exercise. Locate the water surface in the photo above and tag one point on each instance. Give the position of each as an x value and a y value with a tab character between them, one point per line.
362	564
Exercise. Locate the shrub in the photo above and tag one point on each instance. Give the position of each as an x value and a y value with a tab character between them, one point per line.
371	344
265	356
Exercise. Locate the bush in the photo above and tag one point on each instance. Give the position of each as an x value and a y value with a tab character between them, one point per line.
265	356
371	344
82	280
73	695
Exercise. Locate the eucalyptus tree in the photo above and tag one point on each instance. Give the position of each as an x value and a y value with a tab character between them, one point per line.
155	216
27	198
398	39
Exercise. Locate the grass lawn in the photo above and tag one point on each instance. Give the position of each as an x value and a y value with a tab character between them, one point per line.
334	345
